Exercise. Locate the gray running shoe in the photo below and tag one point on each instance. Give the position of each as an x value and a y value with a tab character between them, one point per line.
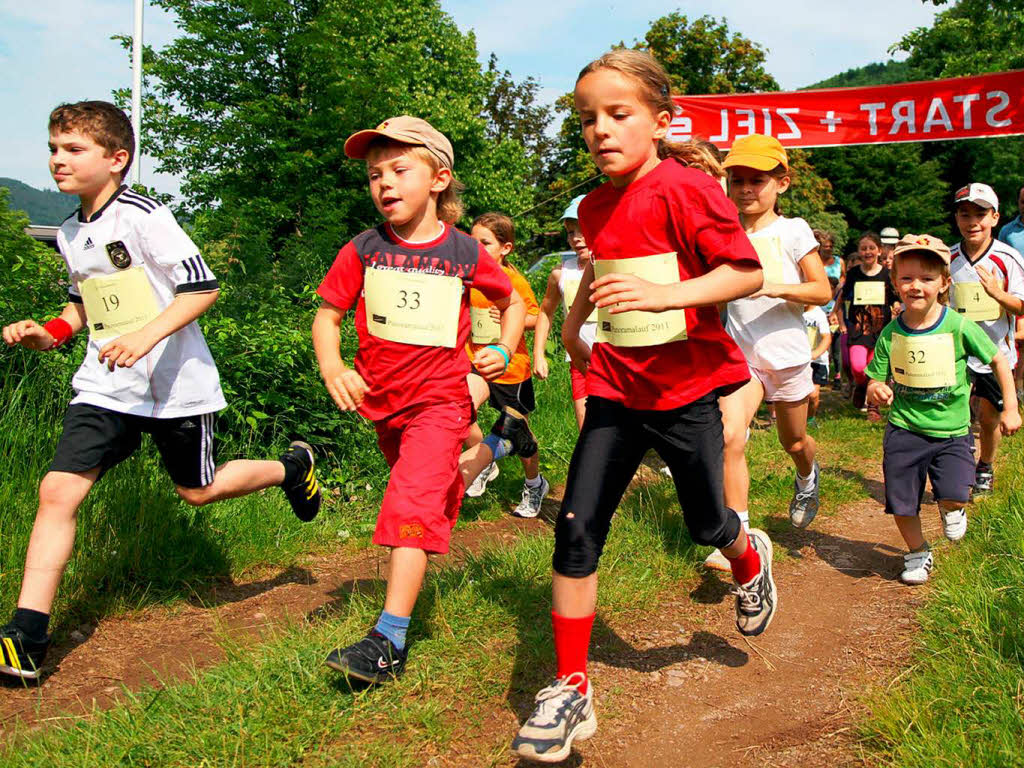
757	600
804	505
529	506
478	486
562	715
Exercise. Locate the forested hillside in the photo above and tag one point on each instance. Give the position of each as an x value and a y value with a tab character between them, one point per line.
42	206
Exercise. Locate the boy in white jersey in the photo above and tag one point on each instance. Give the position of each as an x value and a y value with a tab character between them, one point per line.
138	283
988	287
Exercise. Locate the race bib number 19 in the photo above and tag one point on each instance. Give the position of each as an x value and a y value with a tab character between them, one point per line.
923	362
118	304
412	307
869	293
971	301
637	328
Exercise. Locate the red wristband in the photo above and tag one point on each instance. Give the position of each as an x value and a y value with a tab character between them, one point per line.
60	329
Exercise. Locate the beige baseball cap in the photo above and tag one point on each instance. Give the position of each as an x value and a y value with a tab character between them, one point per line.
927	243
405	130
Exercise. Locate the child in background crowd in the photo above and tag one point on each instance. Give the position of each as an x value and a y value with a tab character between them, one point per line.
834	270
925	352
988	287
819	337
889	236
666	249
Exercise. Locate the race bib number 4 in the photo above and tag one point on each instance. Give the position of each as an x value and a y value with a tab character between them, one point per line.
412	307
637	328
869	293
118	304
970	300
572	287
769	251
486	330
923	362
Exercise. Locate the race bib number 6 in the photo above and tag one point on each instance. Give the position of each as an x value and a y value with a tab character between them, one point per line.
869	293
923	362
118	304
971	300
486	330
638	328
412	307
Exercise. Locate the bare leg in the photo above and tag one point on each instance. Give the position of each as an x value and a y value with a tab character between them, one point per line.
405	579
738	410
580	407
791	426
813	402
531	466
475	436
473	461
990	434
573	598
910	530
235	478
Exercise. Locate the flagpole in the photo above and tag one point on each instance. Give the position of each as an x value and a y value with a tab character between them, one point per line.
137	92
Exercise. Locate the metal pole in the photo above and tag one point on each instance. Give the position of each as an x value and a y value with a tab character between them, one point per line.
137	92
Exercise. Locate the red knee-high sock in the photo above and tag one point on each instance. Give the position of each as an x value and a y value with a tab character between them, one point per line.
572	640
746	566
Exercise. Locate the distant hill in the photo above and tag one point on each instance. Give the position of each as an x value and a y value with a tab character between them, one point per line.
879	73
44	207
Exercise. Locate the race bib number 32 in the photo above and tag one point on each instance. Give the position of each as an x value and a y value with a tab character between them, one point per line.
412	307
971	300
637	328
118	304
869	293
923	362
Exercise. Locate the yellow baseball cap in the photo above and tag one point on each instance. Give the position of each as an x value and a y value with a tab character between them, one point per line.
405	130
758	151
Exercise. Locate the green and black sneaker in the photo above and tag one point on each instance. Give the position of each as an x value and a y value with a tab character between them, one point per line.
20	655
304	491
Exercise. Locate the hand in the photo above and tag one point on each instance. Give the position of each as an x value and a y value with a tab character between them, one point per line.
495	313
626	293
879	394
579	354
1009	422
346	388
540	367
29	334
769	290
125	351
489	363
989	282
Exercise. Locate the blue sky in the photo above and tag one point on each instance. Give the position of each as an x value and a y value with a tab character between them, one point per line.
60	50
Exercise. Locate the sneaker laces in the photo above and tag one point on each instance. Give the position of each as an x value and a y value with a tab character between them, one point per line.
749	596
550	700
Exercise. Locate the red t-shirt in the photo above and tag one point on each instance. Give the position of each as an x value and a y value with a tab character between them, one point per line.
680	209
401	375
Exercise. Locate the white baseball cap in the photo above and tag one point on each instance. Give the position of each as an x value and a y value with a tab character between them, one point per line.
979	194
889	236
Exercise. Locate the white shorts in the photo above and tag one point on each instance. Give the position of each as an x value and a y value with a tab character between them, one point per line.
786	385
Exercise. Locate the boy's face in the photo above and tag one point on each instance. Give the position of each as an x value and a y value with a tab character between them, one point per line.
919	281
975	222
401	183
80	166
574	235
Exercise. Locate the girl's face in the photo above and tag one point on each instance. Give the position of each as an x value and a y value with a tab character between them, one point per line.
495	248
754	191
868	251
620	129
574	235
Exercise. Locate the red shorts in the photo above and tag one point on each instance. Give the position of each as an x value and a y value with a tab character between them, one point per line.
421	503
578	382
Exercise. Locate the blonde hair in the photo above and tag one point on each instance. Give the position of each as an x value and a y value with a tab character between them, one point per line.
655	89
449	199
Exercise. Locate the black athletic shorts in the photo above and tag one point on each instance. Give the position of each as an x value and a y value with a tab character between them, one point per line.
909	458
986	386
611	445
819	374
518	396
98	437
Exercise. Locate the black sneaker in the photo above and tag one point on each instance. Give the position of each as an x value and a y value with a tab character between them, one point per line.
374	659
21	656
757	600
511	425
304	493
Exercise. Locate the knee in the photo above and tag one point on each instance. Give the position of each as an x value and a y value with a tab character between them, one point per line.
576	549
196	497
734	436
797	445
54	496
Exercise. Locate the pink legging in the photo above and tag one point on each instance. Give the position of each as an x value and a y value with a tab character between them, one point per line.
860	357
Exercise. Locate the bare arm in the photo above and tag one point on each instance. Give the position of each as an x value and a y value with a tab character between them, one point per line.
823	345
993	287
550	302
346	387
1009	419
31	335
814	289
490	363
724	283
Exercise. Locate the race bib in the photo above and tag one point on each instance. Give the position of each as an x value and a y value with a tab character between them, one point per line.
769	251
970	300
572	287
813	336
637	328
118	304
869	293
412	307
923	362
486	330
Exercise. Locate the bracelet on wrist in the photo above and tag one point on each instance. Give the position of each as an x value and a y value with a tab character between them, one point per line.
60	329
499	348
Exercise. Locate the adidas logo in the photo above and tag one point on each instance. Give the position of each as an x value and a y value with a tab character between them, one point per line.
88	244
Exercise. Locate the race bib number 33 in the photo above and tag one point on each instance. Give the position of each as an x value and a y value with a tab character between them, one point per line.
118	304
869	293
923	362
637	328
971	300
412	307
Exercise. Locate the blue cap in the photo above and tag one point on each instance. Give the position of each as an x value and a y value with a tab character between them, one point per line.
572	212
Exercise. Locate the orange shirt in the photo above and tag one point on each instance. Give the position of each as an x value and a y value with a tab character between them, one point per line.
519	368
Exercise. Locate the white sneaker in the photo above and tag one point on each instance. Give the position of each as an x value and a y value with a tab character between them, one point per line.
478	486
716	561
954	524
562	714
666	471
916	567
529	505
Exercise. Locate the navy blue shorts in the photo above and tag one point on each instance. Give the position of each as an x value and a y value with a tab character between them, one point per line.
819	374
908	458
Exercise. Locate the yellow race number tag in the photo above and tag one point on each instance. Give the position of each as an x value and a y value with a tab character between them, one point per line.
923	362
637	328
869	293
769	251
118	304
970	300
572	287
486	330
412	307
813	336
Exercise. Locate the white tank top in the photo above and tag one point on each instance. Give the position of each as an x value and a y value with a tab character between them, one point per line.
572	273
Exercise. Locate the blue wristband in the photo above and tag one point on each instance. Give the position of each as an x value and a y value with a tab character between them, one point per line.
504	354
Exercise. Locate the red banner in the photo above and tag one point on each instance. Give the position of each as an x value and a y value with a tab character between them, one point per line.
957	108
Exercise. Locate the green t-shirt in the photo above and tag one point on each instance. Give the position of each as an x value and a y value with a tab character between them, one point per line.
942	407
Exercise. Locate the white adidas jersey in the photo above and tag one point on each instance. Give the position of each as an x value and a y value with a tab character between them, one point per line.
178	377
1008	265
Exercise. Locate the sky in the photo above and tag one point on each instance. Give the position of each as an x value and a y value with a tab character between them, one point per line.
60	50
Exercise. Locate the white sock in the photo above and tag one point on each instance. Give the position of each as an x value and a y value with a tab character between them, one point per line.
803	483
745	519
535	483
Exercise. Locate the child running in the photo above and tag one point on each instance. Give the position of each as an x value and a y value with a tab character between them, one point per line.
925	351
514	388
988	287
666	249
407	281
138	284
563	285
